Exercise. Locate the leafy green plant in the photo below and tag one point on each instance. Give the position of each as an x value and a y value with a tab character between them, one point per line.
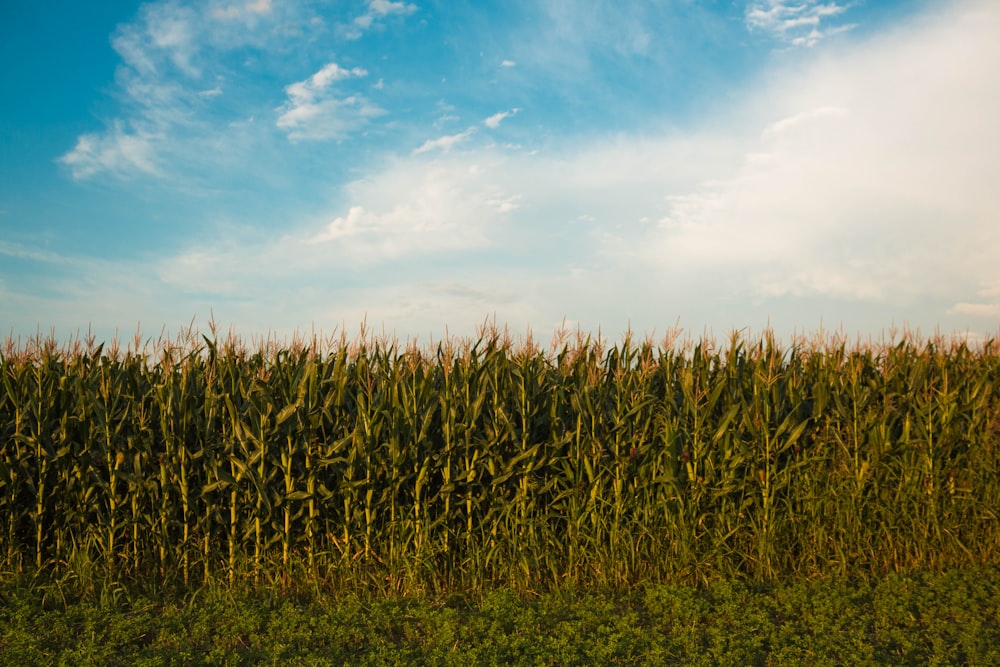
480	463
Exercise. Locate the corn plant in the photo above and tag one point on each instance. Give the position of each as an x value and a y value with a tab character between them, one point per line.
476	463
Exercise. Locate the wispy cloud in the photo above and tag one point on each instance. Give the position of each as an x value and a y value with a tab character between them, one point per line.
786	124
377	11
621	28
796	22
117	151
244	10
175	64
159	82
493	122
313	111
445	143
22	252
166	34
987	304
985	310
380	8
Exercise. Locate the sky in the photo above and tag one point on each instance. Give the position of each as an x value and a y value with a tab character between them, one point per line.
424	166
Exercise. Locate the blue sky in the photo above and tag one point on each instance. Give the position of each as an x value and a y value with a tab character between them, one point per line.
286	165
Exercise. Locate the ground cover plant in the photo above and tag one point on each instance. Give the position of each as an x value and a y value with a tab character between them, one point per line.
927	619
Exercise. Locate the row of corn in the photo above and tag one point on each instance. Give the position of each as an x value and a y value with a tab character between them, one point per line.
481	462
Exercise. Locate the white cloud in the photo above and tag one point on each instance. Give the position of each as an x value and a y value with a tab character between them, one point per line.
803	117
165	34
859	187
173	54
873	184
116	151
505	204
312	112
987	310
385	7
493	122
623	28
304	92
442	231
988	290
567	42
411	220
377	10
445	143
418	206
231	12
797	22
413	210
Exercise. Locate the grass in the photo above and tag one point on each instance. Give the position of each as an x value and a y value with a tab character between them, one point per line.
922	619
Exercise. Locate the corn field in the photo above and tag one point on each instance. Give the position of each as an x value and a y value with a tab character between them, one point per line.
477	463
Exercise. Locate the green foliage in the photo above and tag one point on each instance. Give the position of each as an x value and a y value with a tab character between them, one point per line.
949	619
476	464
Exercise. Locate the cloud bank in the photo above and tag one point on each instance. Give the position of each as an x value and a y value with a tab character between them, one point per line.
861	183
853	183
